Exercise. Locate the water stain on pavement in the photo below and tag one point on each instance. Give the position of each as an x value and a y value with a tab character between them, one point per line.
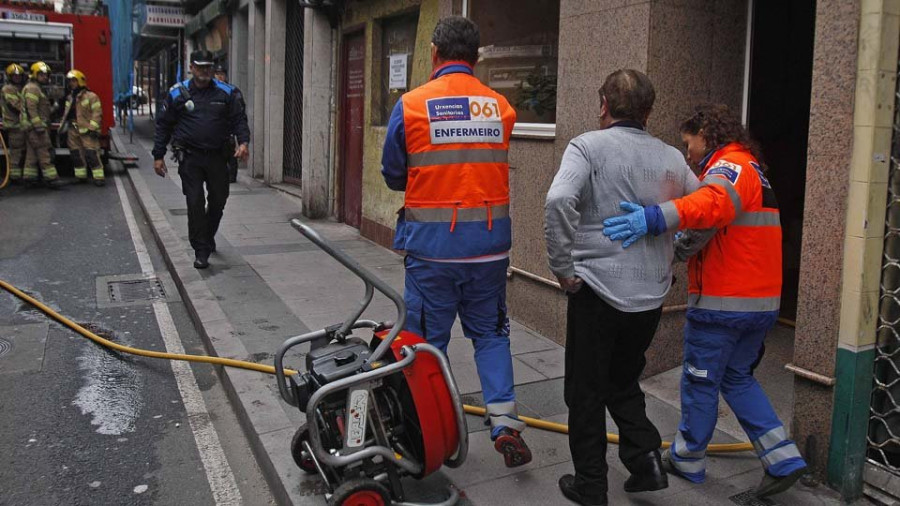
111	394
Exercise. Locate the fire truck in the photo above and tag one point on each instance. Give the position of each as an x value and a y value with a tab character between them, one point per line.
64	41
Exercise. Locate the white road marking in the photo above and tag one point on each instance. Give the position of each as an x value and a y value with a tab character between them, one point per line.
218	471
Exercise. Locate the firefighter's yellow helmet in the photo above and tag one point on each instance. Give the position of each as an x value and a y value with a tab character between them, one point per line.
39	68
78	76
14	69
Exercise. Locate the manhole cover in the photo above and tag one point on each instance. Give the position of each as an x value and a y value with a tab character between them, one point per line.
181	211
748	498
134	290
5	347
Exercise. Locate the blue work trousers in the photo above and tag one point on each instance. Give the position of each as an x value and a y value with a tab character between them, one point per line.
718	358
436	292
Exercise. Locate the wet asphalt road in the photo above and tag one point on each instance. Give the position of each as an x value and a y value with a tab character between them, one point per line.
79	424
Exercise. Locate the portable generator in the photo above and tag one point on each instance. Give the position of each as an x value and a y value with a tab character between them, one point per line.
376	411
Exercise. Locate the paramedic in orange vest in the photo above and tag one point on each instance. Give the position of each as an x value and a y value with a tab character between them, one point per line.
447	144
733	297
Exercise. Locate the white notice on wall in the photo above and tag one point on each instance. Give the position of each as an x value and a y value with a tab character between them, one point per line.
398	72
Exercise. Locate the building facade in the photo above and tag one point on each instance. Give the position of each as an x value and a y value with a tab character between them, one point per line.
816	84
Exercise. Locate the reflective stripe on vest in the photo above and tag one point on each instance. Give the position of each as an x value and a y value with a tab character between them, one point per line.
738	304
452	156
729	188
758	219
450	214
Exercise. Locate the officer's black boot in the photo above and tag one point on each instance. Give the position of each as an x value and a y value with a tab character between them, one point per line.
201	260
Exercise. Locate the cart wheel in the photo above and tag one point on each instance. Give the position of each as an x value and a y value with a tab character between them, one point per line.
361	492
303	460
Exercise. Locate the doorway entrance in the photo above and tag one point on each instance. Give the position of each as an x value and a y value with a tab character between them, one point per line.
779	91
353	85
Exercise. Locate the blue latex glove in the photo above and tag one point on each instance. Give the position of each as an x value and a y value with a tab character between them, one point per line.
627	227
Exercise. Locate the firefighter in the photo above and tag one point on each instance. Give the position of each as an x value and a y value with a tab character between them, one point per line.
734	296
447	147
82	119
15	119
38	108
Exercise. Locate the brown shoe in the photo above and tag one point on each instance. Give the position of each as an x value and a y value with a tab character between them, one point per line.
510	443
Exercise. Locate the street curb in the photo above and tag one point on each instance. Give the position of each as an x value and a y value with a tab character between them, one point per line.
250	397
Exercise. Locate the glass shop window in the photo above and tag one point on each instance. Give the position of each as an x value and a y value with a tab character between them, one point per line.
520	44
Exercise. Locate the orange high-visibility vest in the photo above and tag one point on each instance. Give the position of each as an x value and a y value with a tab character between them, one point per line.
457	193
740	268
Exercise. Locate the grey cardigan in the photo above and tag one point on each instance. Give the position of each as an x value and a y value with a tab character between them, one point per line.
599	170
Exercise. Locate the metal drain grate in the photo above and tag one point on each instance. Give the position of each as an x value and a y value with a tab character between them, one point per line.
748	498
135	290
5	347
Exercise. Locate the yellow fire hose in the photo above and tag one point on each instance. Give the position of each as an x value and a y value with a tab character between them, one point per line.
473	410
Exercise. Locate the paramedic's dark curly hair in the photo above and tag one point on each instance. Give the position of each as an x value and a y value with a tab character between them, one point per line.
457	39
718	126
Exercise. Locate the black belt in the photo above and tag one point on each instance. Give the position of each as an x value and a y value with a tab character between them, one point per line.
201	151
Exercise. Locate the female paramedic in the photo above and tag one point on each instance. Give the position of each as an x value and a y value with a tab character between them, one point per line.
733	296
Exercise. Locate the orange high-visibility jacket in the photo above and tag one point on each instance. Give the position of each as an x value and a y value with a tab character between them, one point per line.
457	134
739	270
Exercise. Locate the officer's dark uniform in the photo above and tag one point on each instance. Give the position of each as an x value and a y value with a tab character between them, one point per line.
199	121
232	161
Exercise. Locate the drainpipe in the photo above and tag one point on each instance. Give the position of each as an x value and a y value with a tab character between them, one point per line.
332	123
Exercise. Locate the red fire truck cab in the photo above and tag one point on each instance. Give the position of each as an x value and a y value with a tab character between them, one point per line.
63	41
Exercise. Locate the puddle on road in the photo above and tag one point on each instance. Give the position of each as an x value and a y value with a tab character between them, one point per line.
111	394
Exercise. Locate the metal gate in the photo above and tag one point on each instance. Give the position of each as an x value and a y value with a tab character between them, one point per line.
293	94
884	419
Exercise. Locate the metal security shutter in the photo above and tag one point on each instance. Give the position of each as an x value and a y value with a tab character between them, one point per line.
293	94
883	470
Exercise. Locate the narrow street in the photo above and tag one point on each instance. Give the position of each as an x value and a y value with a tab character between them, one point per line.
85	425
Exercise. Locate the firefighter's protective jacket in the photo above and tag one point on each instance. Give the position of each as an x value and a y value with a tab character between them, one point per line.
37	104
88	110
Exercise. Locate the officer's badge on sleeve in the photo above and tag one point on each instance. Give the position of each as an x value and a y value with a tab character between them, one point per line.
465	120
728	170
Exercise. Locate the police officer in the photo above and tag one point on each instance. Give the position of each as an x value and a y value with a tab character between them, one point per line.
39	109
83	117
447	146
222	76
733	297
199	115
15	119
